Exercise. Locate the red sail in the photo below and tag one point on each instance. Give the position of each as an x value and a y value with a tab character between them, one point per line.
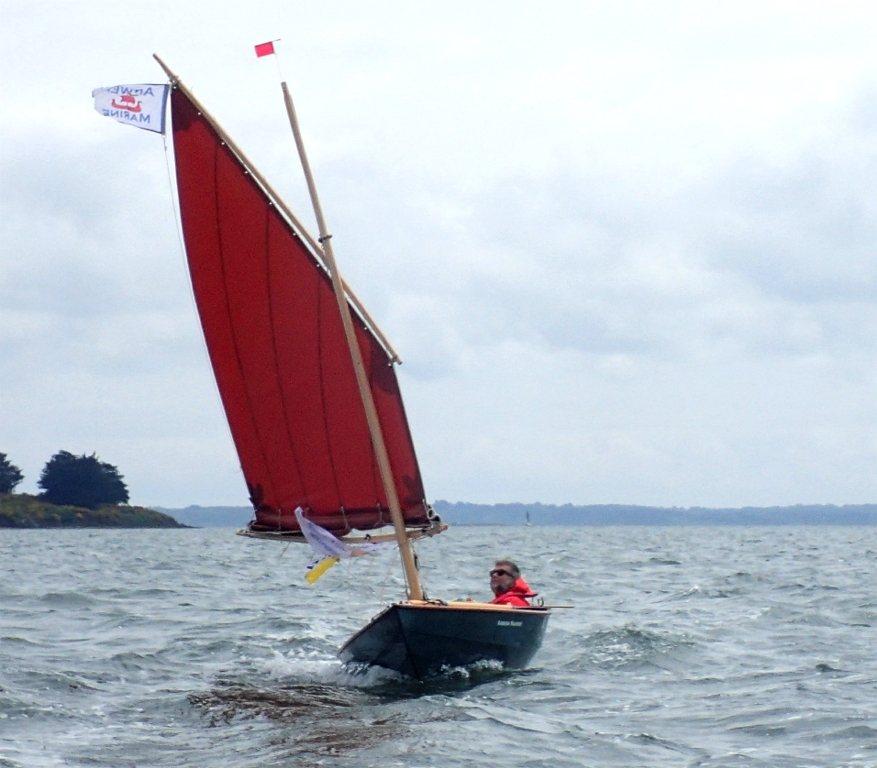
281	360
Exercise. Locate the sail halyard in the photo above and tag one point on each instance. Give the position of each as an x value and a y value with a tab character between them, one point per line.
268	331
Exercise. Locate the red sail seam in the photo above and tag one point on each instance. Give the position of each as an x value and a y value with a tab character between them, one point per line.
273	325
219	237
377	482
325	410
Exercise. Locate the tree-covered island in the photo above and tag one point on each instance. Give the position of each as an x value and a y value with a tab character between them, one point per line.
20	510
78	492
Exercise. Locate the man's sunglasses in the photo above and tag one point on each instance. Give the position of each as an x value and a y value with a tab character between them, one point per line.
500	572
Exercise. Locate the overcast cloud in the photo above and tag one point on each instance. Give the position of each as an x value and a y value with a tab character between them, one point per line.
627	251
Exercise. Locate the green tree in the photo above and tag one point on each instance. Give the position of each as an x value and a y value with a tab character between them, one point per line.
10	475
82	481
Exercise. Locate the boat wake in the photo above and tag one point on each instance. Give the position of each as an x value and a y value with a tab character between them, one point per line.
477	672
314	668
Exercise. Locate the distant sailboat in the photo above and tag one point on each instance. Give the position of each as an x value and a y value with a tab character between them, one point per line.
309	388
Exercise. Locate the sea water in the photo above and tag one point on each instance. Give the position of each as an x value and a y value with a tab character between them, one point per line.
683	647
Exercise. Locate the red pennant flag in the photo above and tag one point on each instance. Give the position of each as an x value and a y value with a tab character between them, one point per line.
264	49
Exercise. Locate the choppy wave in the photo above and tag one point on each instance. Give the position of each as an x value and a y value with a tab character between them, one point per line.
684	648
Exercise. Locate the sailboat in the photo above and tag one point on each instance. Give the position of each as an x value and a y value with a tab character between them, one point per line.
309	388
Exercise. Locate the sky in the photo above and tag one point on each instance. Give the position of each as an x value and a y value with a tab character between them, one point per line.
626	250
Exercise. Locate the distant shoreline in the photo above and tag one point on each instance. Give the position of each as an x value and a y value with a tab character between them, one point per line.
629	514
464	513
21	511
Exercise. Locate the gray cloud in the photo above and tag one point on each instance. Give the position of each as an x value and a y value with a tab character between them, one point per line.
771	258
618	270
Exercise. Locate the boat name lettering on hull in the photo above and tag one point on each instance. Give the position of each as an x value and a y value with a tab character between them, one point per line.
503	623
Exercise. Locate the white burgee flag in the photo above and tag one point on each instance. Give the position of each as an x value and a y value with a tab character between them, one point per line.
328	548
143	105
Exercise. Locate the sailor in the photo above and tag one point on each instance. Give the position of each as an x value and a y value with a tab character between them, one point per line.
508	586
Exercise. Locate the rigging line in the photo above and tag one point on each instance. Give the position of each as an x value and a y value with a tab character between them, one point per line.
181	243
178	224
322	380
383	592
364	585
348	568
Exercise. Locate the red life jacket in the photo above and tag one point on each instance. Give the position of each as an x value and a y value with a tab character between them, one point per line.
517	595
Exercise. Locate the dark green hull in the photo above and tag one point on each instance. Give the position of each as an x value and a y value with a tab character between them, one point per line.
420	640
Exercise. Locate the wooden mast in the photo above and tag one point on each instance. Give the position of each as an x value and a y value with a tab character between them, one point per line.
415	592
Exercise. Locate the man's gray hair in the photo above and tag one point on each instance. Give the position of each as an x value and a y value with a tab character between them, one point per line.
510	566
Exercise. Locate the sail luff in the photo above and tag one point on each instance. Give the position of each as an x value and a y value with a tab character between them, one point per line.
281	205
415	591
